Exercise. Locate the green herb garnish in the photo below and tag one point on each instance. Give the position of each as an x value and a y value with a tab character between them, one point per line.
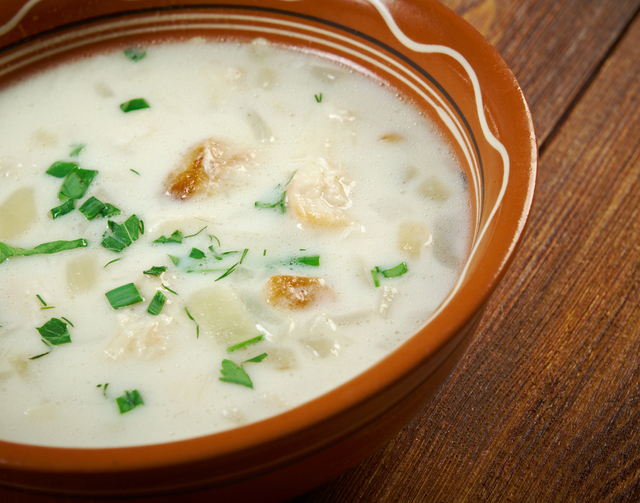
134	104
169	289
93	208
256	359
194	235
55	332
244	344
175	260
313	261
318	97
130	400
123	234
67	207
156	270
280	204
76	183
104	390
7	251
134	171
193	319
196	254
41	300
235	374
67	320
50	346
176	237
123	296
393	272
135	54
60	169
233	267
157	303
76	150
112	261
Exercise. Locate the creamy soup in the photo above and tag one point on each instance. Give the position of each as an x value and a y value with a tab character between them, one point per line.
238	229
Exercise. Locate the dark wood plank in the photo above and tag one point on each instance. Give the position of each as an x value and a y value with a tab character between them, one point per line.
546	404
552	46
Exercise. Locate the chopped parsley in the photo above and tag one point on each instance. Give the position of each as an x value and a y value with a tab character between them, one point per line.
175	260
176	237
130	400
123	234
104	388
60	169
76	150
76	183
313	261
93	208
134	104
235	374
233	267
196	254
123	296
55	332
7	251
280	204
156	270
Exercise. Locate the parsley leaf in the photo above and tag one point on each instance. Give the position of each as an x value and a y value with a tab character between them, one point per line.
55	332
130	400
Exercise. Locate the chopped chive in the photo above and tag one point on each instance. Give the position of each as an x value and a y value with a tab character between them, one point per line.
228	271
55	332
130	400
376	281
318	97
169	289
176	237
313	261
398	270
264	253
196	254
156	270
244	344
49	345
123	296
41	300
235	374
135	172
104	390
157	303
193	235
111	262
76	183
76	150
192	319
212	237
67	320
175	260
7	251
135	53
60	169
67	207
47	307
256	359
134	104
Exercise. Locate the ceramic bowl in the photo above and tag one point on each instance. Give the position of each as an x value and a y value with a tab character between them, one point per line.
448	70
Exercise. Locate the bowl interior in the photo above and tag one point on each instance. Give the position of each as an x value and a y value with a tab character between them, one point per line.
421	49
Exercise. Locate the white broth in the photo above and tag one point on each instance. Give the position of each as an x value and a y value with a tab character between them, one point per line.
322	217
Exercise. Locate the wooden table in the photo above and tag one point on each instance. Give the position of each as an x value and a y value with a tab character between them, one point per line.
545	406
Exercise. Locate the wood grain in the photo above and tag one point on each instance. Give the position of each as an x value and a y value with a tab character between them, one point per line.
546	404
553	47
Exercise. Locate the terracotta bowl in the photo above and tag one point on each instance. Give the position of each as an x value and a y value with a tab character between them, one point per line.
447	69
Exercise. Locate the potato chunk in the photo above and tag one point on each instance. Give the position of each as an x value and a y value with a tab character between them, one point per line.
17	213
204	167
319	196
222	315
82	272
412	237
295	292
139	339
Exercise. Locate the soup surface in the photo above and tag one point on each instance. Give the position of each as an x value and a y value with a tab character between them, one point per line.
238	229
